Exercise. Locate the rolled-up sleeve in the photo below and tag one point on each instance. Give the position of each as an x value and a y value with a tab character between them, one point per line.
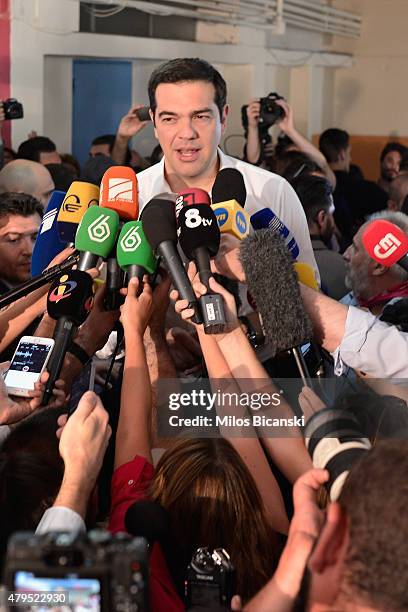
372	346
60	518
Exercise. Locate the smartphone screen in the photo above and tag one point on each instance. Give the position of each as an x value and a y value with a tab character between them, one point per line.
27	365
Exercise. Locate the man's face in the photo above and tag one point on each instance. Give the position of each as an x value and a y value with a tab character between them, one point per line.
44	185
99	149
390	166
189	128
358	267
49	157
17	238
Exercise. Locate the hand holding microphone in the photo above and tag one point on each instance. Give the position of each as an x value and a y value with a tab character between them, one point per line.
199	237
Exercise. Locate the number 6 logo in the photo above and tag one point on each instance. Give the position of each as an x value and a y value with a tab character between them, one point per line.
99	229
131	240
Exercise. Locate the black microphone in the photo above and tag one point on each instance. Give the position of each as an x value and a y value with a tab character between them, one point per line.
69	301
273	283
159	225
149	520
38	281
199	237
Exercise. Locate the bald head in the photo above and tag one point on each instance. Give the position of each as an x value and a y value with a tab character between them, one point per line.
24	176
398	192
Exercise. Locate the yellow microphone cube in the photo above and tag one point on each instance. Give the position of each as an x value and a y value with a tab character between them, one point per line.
232	219
306	275
79	197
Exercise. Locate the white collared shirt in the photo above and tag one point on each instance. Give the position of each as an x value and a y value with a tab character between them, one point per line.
264	190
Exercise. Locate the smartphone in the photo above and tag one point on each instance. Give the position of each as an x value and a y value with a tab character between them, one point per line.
27	365
143	113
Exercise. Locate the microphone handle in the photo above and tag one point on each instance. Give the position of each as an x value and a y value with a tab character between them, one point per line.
202	257
64	330
87	260
302	367
403	262
114	282
169	253
37	282
136	271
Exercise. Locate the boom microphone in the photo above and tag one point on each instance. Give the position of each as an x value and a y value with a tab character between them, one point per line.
386	243
48	243
133	251
273	284
199	237
228	197
69	301
159	225
96	236
80	196
35	283
266	218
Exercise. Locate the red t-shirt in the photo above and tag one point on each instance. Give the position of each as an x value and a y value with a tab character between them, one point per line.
129	484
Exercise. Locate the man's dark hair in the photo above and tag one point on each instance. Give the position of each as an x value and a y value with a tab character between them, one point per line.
375	497
61	175
393	146
314	193
108	139
283	145
31	148
188	69
19	204
332	142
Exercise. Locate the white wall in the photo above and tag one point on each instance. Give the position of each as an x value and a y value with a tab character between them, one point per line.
371	96
45	39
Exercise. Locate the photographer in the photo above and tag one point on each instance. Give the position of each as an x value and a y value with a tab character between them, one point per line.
255	151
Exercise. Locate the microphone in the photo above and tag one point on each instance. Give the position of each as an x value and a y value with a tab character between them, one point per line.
273	284
266	218
199	237
48	243
306	275
96	236
80	196
119	192
69	301
386	243
159	225
149	520
133	251
191	197
228	196
35	283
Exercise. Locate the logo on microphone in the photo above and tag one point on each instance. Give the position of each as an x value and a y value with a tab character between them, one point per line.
99	230
386	246
241	222
64	289
48	220
120	189
71	206
222	216
131	240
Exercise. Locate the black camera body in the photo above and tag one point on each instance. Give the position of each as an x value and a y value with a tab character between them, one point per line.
210	581
13	109
269	114
109	571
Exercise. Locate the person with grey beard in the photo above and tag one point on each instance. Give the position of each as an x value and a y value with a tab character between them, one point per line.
373	285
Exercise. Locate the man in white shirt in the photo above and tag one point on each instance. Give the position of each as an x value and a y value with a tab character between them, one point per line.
189	111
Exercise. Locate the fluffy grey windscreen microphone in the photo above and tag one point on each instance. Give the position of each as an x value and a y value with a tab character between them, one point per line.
273	283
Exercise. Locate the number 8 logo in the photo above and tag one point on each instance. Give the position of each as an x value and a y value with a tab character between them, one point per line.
193	218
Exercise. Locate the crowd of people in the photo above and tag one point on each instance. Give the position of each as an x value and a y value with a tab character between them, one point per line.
263	498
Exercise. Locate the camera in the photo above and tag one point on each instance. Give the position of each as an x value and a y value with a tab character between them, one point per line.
210	580
335	441
269	114
96	571
13	109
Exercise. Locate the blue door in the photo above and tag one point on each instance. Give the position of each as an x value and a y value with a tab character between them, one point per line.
101	96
